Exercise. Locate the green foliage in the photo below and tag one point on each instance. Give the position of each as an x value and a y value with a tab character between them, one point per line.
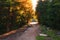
11	17
51	34
49	13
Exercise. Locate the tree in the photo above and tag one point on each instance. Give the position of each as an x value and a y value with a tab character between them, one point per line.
13	15
48	13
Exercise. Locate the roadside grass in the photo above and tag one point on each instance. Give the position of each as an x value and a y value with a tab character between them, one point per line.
40	38
51	34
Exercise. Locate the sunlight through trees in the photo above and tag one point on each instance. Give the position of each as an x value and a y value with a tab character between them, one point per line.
14	14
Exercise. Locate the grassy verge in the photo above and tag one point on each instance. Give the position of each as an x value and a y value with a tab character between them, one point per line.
51	34
40	38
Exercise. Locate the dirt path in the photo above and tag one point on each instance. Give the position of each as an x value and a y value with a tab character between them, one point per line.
29	34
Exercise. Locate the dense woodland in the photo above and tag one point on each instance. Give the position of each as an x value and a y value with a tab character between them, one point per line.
48	13
13	15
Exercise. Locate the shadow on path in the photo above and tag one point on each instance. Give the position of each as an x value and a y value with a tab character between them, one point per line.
29	34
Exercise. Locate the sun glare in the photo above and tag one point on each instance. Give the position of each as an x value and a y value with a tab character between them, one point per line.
34	3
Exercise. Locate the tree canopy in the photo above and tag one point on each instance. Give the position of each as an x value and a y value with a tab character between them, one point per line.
13	15
48	13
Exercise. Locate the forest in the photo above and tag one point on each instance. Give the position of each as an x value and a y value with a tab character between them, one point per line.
13	15
48	13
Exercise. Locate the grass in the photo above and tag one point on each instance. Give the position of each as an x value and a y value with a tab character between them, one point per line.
40	38
49	32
